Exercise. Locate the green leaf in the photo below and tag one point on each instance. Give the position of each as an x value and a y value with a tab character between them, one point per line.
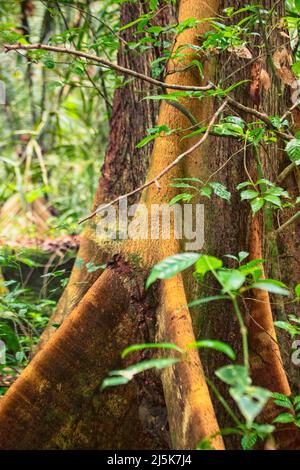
273	286
293	149
257	204
296	65
243	255
297	290
52	84
291	329
296	400
249	194
180	197
146	140
228	129
284	418
181	184
194	180
139	347
282	400
153	4
231	280
277	191
206	191
49	63
250	400
220	190
199	66
214	344
263	430
243	185
207	263
171	96
132	23
235	120
234	375
8	335
29	262
78	263
264	181
232	257
171	266
275	200
205	444
125	375
91	267
145	365
113	381
294	318
252	267
248	441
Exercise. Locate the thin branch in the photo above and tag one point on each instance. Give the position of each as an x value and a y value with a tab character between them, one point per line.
180	107
85	69
88	13
105	63
289	111
262	116
165	170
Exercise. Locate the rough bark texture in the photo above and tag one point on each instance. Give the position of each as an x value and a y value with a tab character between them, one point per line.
229	227
125	166
60	389
191	402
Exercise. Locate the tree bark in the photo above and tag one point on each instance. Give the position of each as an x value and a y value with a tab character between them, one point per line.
230	228
115	307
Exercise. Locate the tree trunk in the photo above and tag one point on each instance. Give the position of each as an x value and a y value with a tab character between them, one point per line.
57	393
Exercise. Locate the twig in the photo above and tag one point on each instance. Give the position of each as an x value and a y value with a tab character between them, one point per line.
165	170
105	63
85	69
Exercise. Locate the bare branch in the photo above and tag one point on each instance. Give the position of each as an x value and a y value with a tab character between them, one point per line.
165	170
105	63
